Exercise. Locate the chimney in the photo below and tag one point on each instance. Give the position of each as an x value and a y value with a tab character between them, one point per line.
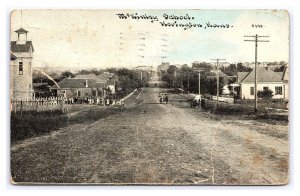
86	83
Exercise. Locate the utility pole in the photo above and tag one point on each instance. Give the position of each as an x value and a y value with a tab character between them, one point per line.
256	40
218	77
188	84
199	82
175	76
199	72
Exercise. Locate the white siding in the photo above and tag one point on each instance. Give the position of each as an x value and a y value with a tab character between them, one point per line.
245	89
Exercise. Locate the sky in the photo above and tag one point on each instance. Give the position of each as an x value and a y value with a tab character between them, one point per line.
81	39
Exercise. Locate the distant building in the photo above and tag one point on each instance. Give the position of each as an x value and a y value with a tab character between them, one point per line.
266	79
226	80
79	88
111	80
92	77
285	78
42	89
144	68
163	67
21	67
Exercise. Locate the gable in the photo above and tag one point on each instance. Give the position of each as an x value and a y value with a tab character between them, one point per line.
241	76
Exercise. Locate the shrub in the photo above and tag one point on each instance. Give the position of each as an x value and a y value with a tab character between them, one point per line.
265	94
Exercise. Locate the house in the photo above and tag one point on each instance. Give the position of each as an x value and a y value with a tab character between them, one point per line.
79	89
41	89
285	78
226	80
266	79
111	80
21	67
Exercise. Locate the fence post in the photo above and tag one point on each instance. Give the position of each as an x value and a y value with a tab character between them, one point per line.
21	107
36	105
61	105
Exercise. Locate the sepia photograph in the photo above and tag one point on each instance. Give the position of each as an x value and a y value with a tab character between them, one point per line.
149	97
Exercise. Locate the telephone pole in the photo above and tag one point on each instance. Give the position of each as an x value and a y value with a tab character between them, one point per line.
256	40
199	76
218	77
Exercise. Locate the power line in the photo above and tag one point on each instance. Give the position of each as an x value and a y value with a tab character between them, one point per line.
256	40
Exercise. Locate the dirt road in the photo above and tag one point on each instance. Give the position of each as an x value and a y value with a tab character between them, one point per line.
156	143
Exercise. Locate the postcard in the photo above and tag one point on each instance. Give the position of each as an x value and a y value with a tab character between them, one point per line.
149	97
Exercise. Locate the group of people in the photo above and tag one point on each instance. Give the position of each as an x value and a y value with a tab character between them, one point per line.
85	100
94	101
164	98
198	101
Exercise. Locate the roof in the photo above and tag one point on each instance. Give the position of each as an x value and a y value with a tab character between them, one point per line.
21	30
106	74
37	84
14	47
90	77
263	75
241	76
12	57
285	73
78	83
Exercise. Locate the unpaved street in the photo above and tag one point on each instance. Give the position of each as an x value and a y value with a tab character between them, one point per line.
150	142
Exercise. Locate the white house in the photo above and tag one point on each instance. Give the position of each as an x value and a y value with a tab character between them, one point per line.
266	79
21	67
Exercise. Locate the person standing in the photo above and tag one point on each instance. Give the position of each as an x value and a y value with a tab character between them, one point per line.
166	99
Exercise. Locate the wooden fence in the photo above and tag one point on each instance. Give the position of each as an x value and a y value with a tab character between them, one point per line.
37	105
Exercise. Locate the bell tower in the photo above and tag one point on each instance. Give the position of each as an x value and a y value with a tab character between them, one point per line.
22	36
21	67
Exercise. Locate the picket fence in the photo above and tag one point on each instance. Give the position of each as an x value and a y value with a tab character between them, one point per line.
37	104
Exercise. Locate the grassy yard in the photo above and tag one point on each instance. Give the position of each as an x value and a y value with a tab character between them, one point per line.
278	104
246	111
31	124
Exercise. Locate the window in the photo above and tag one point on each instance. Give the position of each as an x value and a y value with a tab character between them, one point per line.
265	88
20	68
78	93
251	90
278	90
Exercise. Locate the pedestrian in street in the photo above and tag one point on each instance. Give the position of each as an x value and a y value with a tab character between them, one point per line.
167	99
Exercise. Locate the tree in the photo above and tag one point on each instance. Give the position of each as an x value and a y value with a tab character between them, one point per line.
203	65
231	70
92	71
67	74
242	68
